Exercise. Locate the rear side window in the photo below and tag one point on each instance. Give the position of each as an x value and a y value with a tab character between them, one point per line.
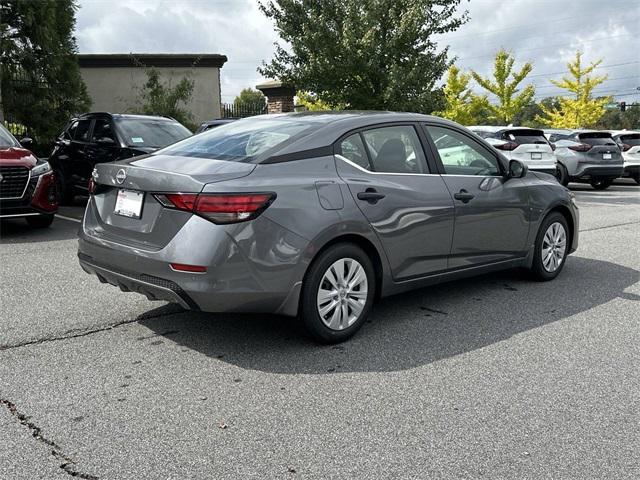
395	150
353	149
632	140
522	137
81	133
597	138
483	133
239	141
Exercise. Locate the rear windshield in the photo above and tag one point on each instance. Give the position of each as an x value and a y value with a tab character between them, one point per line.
522	137
151	132
239	141
6	139
632	139
597	138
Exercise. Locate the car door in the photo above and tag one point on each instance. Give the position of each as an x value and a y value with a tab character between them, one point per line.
491	210
408	207
103	146
76	165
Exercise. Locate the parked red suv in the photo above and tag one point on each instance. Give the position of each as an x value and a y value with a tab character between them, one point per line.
27	184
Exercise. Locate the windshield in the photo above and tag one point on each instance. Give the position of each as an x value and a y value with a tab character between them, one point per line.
631	139
596	138
238	141
151	132
522	137
6	139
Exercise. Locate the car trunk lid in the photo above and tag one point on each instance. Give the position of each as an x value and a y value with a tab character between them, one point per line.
604	149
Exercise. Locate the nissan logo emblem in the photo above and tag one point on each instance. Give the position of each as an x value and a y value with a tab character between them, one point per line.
121	176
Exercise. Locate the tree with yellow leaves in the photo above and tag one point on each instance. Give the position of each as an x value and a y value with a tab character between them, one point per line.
580	110
504	86
462	105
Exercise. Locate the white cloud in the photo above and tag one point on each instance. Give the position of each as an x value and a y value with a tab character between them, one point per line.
546	32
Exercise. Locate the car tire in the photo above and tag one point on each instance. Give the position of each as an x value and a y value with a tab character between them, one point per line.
545	268
562	175
65	193
41	221
601	183
344	308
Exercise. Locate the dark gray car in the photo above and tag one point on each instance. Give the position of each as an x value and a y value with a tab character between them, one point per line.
319	214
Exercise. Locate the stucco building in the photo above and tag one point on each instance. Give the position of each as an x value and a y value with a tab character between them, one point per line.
114	80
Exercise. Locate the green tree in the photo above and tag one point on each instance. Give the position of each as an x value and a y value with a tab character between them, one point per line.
616	120
157	97
581	109
364	54
462	105
529	115
504	85
41	83
249	96
312	103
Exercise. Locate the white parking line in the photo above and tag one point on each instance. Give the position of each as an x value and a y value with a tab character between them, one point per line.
68	218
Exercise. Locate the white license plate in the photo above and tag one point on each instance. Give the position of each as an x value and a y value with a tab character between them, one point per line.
536	156
129	203
606	156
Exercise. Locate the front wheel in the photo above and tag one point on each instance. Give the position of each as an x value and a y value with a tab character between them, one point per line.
601	183
551	247
41	221
338	293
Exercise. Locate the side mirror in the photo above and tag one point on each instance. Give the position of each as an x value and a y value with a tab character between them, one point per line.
26	142
517	169
106	141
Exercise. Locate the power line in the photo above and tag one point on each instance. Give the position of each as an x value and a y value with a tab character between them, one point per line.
538	87
611	65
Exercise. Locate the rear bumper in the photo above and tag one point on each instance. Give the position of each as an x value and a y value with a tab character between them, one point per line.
590	171
251	267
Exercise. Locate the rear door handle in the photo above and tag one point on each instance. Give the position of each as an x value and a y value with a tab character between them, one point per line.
371	195
463	195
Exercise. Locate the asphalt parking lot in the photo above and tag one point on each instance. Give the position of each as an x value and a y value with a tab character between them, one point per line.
493	377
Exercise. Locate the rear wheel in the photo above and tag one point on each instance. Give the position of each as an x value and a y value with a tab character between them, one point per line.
601	183
41	221
338	293
551	248
562	175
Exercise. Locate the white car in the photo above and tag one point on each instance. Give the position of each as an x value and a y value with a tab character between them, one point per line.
529	145
629	143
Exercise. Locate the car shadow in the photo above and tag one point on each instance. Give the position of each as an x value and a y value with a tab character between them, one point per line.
16	230
405	331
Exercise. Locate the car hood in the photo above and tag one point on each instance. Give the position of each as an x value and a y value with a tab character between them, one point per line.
17	157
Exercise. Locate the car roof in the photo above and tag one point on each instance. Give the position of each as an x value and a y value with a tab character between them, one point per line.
497	128
125	115
623	132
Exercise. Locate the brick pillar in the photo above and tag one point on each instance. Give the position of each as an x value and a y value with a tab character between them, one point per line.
279	96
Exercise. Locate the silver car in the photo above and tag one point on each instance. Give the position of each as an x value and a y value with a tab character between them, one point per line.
629	143
529	145
320	214
589	155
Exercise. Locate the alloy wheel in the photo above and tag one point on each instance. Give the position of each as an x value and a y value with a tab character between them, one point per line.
554	245
342	294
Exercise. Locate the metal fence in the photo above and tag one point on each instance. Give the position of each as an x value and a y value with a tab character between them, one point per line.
243	109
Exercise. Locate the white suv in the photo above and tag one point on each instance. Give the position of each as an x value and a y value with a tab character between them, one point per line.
629	143
529	145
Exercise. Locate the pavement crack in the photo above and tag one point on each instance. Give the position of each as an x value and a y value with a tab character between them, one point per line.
68	464
608	226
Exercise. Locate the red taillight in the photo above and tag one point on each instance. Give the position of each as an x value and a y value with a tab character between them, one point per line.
581	147
91	186
625	147
219	208
181	267
507	146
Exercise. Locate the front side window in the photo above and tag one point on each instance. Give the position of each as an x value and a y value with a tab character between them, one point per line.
6	139
102	130
239	141
395	150
460	155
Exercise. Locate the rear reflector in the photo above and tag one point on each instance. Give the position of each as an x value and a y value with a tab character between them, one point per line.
181	267
219	208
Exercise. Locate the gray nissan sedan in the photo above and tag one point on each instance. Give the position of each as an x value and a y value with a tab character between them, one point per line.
320	214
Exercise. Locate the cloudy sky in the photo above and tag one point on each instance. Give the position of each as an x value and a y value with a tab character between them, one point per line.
545	32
